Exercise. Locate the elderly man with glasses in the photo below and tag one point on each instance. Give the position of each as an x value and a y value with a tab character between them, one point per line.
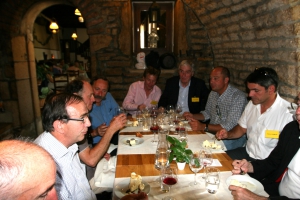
263	118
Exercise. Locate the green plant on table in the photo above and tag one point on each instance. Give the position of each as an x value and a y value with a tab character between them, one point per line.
179	150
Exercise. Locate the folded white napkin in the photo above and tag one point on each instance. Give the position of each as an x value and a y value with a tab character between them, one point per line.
105	171
216	163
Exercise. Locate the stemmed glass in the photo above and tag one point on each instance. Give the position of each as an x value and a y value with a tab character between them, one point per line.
120	110
169	178
154	129
196	165
170	109
178	108
207	159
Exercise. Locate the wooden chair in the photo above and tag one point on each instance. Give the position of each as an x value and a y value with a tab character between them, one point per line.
60	81
73	74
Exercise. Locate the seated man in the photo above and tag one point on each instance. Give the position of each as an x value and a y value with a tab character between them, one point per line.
20	162
65	121
224	107
142	94
280	171
189	92
103	110
263	118
91	156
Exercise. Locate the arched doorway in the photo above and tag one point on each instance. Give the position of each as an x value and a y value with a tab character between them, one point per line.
25	71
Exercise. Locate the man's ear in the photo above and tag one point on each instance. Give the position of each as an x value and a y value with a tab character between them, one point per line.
58	126
271	89
226	80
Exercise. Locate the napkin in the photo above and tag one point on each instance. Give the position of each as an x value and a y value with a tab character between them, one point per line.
105	171
216	163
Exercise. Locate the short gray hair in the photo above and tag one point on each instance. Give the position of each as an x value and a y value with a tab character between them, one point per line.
187	63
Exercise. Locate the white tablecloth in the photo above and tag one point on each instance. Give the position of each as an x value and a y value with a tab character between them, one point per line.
182	190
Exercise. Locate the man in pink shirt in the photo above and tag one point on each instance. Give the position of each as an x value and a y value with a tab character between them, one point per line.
142	94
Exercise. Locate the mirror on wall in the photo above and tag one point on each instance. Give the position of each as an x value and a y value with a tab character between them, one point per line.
152	36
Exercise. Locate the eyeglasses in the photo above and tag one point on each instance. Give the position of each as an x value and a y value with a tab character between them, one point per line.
218	111
265	73
78	119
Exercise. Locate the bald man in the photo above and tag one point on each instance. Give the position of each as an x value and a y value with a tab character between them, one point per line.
20	162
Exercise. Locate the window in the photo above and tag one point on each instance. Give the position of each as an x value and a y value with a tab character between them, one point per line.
149	36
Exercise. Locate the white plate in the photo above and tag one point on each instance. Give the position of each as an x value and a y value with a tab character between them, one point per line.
138	141
251	184
216	142
122	187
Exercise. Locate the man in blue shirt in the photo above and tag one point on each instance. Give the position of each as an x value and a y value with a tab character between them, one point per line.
104	109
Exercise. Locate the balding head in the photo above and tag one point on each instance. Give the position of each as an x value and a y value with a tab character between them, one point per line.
27	171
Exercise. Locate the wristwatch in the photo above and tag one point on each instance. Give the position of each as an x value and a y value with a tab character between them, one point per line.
206	128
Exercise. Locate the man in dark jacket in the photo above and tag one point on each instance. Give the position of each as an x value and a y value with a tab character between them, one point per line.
185	90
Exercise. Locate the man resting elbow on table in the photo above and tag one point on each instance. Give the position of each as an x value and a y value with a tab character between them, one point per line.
224	107
263	118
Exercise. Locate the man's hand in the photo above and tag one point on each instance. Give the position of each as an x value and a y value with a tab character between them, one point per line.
196	125
222	134
118	122
139	196
106	156
101	129
141	107
240	193
240	166
187	115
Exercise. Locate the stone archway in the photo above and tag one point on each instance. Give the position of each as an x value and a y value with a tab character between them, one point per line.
25	71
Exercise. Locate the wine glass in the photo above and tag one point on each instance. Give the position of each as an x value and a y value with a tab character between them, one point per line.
170	109
178	108
120	110
207	159
169	178
139	117
196	165
154	129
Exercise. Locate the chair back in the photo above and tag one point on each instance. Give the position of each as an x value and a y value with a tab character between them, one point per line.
60	81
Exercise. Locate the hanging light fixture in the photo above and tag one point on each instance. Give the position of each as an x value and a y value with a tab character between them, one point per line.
80	19
154	13
77	12
53	27
74	36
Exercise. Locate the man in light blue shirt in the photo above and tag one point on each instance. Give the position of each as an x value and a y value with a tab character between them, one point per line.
104	109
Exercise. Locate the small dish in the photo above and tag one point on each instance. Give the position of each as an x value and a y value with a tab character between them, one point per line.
122	187
137	140
250	183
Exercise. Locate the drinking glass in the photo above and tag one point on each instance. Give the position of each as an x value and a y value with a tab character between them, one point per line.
139	117
212	180
196	165
120	110
170	109
154	129
178	108
207	159
169	178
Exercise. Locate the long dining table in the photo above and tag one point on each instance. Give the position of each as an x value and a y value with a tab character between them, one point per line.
140	159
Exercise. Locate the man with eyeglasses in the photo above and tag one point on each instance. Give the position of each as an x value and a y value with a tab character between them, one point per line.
263	118
92	155
224	107
185	90
280	171
65	120
104	109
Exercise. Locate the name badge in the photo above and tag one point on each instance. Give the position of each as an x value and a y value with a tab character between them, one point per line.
153	102
195	99
272	134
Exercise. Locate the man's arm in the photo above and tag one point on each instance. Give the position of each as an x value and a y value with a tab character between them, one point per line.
91	156
236	132
128	102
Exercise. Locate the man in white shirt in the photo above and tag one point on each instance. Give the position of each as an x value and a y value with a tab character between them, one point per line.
263	118
280	171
